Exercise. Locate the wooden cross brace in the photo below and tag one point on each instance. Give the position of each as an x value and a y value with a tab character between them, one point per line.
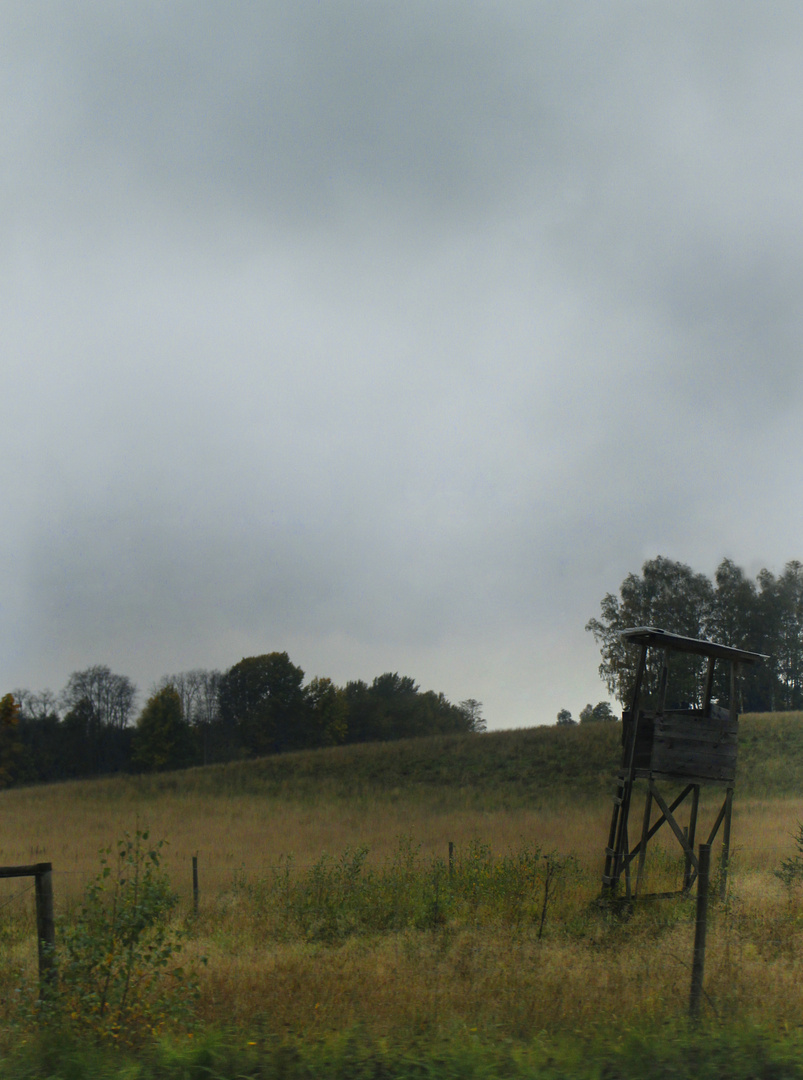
685	838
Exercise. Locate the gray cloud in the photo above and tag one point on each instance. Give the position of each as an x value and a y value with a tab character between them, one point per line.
393	335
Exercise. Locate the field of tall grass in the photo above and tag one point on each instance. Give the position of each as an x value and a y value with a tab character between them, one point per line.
329	903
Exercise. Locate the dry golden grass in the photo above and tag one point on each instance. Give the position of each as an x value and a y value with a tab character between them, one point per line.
67	824
480	973
490	978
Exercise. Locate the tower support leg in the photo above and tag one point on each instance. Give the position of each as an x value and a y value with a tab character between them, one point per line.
695	802
645	835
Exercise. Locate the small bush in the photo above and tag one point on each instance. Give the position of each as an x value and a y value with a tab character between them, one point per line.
337	898
117	976
791	870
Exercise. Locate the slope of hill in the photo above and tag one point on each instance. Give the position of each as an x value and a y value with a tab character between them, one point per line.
770	754
505	768
497	769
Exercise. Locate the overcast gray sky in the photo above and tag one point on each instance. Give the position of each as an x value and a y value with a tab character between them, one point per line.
392	335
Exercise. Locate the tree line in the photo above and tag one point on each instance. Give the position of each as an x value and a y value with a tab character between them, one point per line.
259	706
763	615
591	714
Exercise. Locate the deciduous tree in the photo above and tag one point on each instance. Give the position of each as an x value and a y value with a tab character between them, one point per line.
326	713
595	714
262	700
162	736
112	696
472	710
668	595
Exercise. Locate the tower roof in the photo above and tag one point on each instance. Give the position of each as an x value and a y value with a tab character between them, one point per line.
663	639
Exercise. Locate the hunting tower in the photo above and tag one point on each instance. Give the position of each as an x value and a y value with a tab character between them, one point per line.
673	746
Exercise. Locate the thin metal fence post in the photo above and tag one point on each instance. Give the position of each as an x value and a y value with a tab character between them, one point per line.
451	858
195	885
698	962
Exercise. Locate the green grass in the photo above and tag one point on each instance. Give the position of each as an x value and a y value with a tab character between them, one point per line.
501	769
495	769
422	973
666	1053
770	754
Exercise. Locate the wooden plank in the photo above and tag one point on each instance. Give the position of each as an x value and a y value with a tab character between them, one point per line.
32	870
698	960
683	766
717	823
703	740
647	636
701	728
686	778
696	727
676	829
705	751
618	834
661	821
695	801
610	852
671	759
704	747
700	740
645	832
702	752
688	744
643	741
682	760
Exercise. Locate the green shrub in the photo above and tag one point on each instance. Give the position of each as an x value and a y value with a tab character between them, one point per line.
117	975
337	898
791	870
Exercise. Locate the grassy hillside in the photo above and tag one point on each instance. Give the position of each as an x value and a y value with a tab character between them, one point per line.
493	770
503	769
328	903
770	754
547	785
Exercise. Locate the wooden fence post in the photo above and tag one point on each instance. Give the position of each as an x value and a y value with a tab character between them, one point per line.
451	858
698	962
45	923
